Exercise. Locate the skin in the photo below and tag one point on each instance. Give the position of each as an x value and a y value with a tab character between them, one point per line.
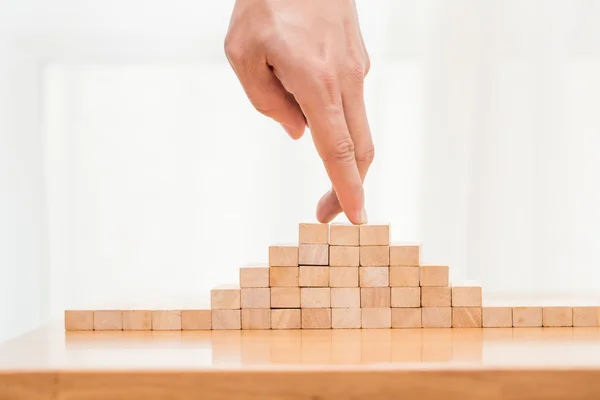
303	63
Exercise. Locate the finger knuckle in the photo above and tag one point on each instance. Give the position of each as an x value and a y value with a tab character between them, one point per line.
234	50
357	71
342	152
366	155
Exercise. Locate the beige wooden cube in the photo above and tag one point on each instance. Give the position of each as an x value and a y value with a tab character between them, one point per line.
374	256
226	319
166	320
404	276
313	276
557	316
434	275
256	318
586	316
497	317
374	276
406	297
377	297
137	320
344	235
284	276
316	318
196	320
346	318
376	318
466	317
344	256
256	298
254	277
79	320
527	317
313	233
434	296
345	297
225	297
283	256
285	297
313	254
436	317
343	277
108	320
466	296
315	297
404	255
406	317
286	319
374	235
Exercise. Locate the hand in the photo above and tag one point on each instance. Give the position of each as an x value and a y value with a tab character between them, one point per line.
303	62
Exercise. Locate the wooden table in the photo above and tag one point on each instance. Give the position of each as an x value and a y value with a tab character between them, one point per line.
520	363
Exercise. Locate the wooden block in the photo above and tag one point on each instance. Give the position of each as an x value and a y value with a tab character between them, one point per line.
166	320
497	317
225	297
254	277
374	235
346	318
315	297
586	316
433	296
316	318
406	297
466	317
526	316
284	276
196	320
344	235
374	256
557	316
79	320
283	256
466	296
343	277
313	254
256	318
285	297
377	297
404	276
137	320
345	297
376	318
256	298
374	276
436	317
433	275
226	319
312	276
406	317
313	233
286	319
404	256
344	256
108	320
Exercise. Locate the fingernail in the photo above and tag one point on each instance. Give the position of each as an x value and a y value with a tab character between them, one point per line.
363	217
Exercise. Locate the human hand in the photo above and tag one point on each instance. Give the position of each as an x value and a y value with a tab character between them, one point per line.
303	62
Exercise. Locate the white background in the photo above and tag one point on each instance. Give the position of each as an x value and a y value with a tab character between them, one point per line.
134	172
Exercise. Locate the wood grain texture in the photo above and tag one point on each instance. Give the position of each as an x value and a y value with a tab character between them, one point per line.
343	277
285	297
225	297
254	277
256	298
377	297
30	385
466	296
436	317
283	256
374	235
343	235
404	276
404	255
226	319
313	233
376	318
406	317
315	297
434	275
79	320
316	318
374	276
137	320
313	276
344	256
286	319
193	320
433	296
557	316
466	317
256	318
345	297
284	276
313	254
374	256
497	317
586	316
346	318
405	297
527	317
166	320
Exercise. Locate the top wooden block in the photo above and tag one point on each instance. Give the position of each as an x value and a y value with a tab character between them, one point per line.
404	256
283	256
434	275
313	233
225	297
344	235
374	235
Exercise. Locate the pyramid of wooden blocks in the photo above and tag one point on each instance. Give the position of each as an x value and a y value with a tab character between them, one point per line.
339	276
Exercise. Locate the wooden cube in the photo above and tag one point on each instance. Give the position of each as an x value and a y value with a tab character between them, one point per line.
256	298
166	320
404	256
345	297
406	297
225	297
286	319
376	318
254	277
285	297
346	318
436	317
466	296
226	319
312	276
433	275
434	296
256	318
344	235
313	233
497	317
377	297
374	256
404	276
79	320
137	320
108	320
284	276
343	277
315	297
374	235
374	276
283	256
196	320
586	316
313	254
466	317
406	317
526	316
344	256
557	316
316	318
